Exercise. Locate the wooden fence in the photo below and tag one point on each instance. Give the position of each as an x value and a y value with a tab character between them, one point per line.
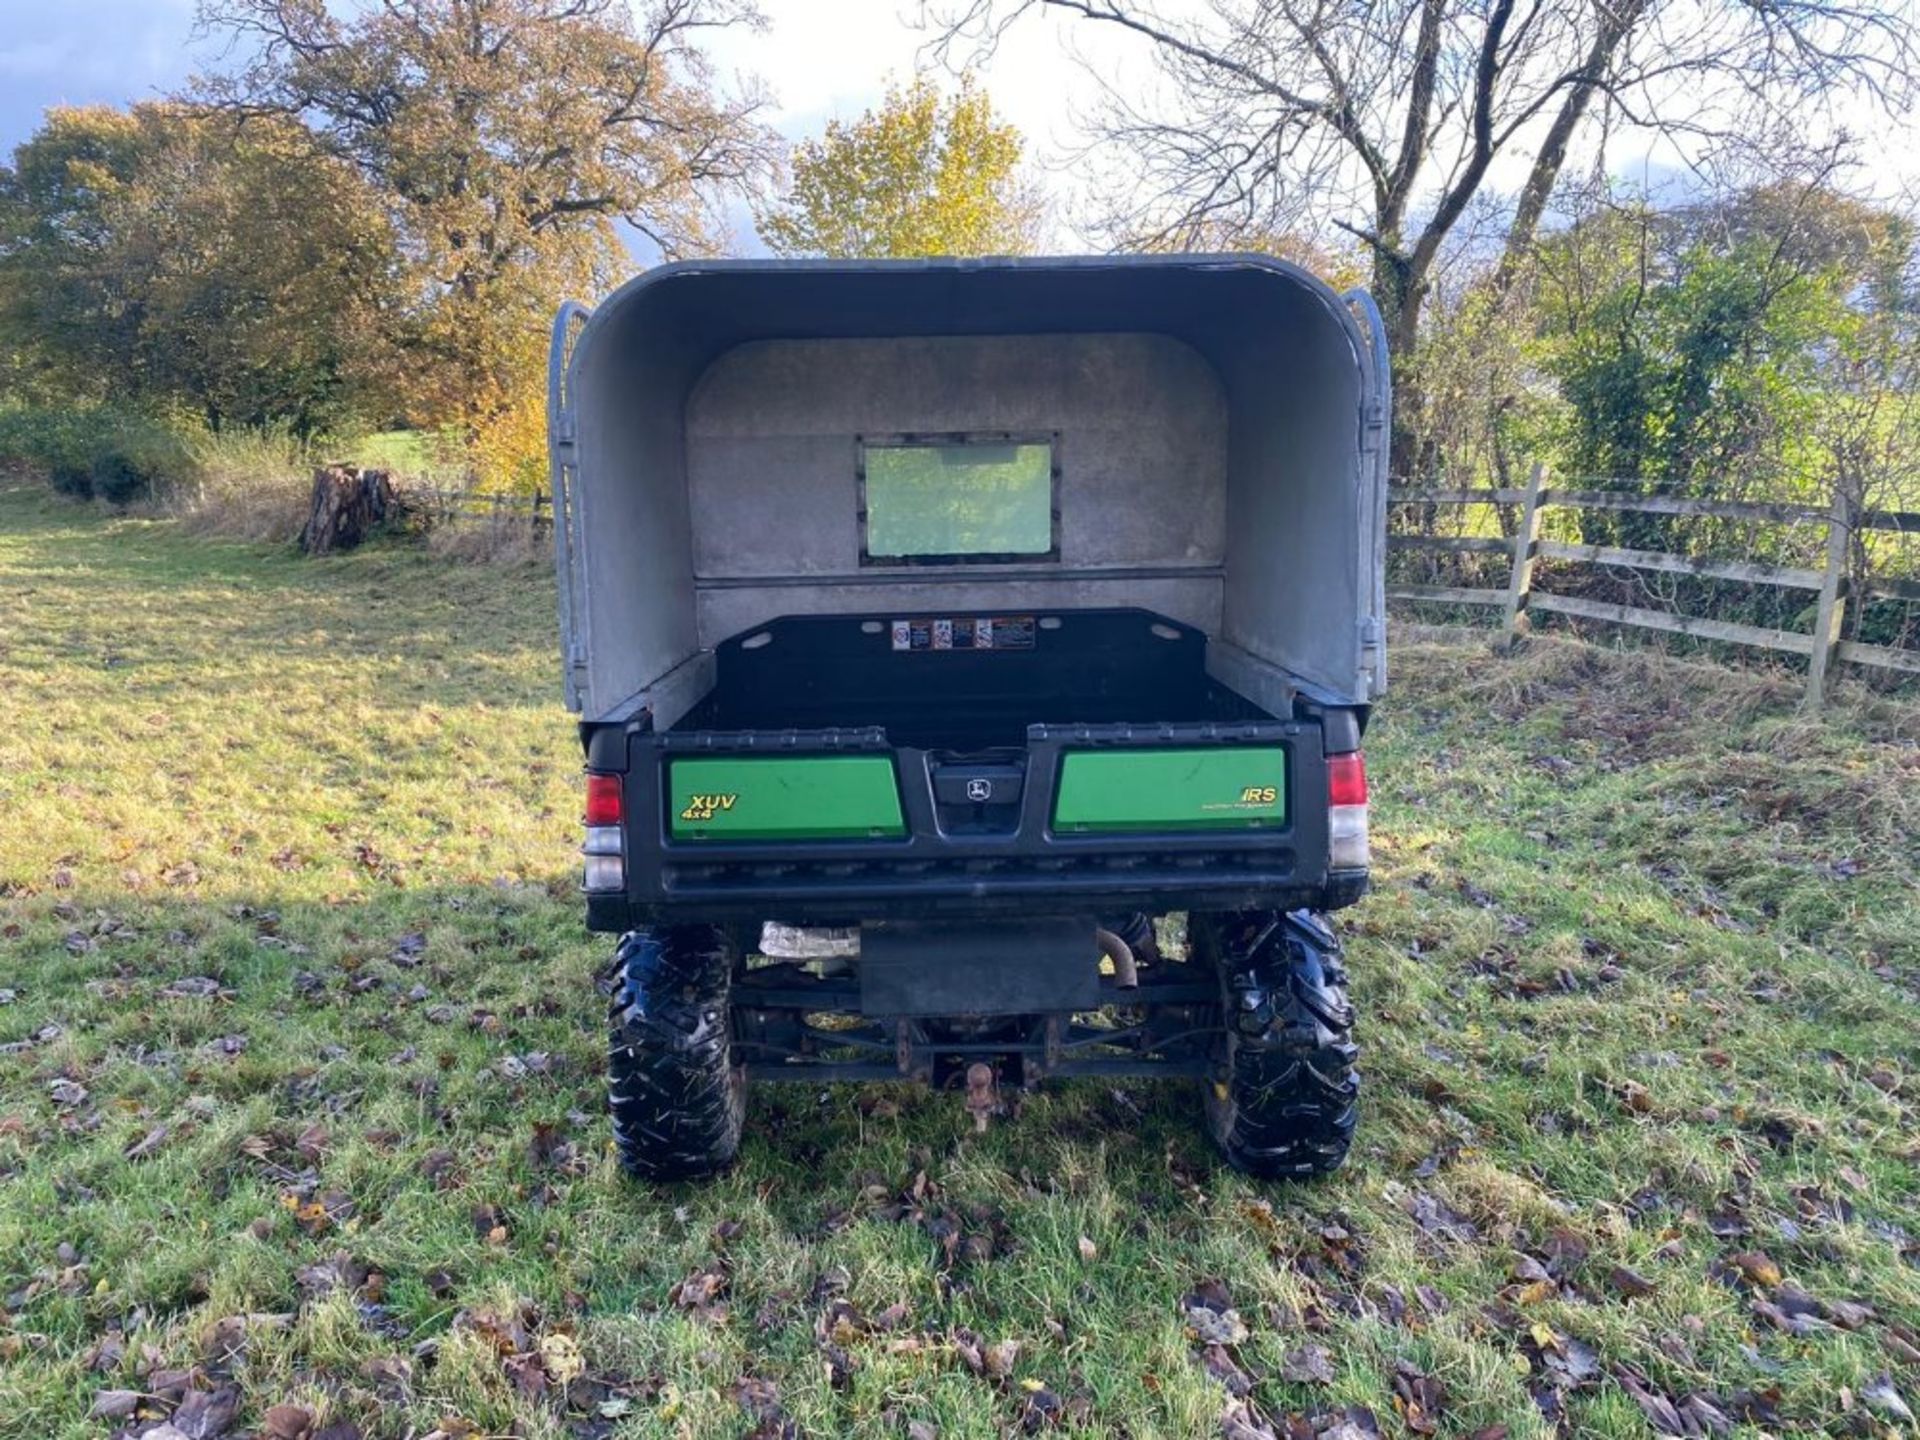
1518	599
470	507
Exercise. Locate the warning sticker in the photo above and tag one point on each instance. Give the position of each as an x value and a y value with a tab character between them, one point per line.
1005	632
982	632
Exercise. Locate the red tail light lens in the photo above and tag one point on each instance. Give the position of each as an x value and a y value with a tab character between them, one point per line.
605	805
1347	779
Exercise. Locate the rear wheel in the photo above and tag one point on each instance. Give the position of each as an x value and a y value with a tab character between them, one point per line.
676	1095
1282	1099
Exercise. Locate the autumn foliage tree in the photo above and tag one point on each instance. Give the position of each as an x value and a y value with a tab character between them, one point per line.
919	175
155	252
507	140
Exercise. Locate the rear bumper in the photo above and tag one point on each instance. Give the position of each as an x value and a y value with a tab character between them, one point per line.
945	865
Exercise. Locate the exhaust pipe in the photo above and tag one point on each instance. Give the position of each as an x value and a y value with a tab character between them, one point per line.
1126	974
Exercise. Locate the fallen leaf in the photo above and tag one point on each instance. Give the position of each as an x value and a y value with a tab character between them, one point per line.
1527	1271
148	1143
759	1398
437	1167
1089	1252
839	1367
1756	1267
529	1377
1240	1421
561	1359
1630	1283
1656	1406
191	987
1357	1423
391	1378
1000	1358
313	1143
1221	1366
340	1271
106	1353
1440	1220
1040	1410
1210	1313
207	1414
286	1422
1309	1365
1880	1394
114	1404
506	1333
701	1293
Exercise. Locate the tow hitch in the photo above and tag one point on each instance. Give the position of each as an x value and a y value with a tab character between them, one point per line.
983	1097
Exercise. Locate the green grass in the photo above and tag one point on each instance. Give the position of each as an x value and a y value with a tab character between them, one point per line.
1639	987
414	453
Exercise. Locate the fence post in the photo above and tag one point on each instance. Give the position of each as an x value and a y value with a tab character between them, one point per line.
1525	540
1830	618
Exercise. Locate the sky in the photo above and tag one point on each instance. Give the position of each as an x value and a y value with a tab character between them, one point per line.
821	59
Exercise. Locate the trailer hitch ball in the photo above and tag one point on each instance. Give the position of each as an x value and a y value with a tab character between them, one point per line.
983	1098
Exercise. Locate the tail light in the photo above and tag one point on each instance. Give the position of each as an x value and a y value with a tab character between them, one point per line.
1347	812
606	849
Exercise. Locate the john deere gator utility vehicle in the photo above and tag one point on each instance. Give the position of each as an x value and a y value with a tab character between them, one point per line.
938	627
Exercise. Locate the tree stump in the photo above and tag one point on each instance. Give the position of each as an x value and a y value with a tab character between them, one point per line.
348	505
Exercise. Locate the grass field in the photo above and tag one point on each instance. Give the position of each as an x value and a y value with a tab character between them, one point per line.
300	1099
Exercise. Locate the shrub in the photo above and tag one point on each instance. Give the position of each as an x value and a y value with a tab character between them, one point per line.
71	479
99	452
135	458
57	440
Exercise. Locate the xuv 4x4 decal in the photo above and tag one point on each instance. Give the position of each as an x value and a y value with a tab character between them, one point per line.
789	797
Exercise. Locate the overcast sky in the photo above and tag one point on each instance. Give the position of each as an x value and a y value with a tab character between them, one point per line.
821	58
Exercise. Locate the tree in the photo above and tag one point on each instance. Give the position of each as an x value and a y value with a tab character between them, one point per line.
918	176
152	254
1756	347
1386	119
63	302
507	137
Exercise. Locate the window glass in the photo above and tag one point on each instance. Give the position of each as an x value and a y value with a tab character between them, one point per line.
965	500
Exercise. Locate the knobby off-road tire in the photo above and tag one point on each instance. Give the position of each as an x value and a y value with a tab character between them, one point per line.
1283	1099
677	1098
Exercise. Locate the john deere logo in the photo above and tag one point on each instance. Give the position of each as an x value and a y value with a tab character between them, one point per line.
705	807
979	791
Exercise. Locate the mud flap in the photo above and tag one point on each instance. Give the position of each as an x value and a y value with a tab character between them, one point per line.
1020	967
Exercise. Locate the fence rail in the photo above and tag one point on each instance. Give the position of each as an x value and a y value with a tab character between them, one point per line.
470	506
1518	598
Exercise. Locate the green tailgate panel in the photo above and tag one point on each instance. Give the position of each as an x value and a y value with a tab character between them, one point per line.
1223	787
823	797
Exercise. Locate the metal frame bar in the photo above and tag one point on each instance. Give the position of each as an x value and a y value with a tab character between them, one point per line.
563	463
